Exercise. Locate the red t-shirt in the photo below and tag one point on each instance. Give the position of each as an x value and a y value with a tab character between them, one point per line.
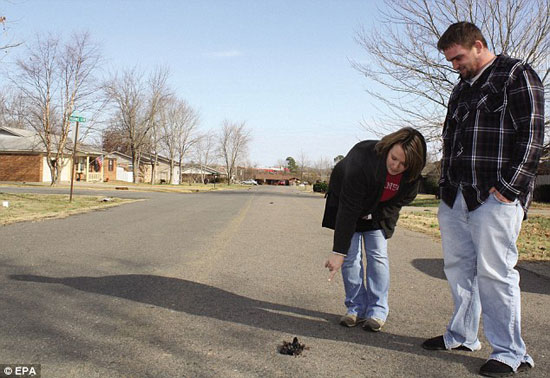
391	187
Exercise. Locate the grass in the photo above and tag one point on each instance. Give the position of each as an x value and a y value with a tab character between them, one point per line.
141	187
429	200
425	200
32	207
534	239
533	242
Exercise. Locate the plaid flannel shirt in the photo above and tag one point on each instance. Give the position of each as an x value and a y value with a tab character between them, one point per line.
493	135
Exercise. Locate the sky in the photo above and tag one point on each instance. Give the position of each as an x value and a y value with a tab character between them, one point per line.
281	66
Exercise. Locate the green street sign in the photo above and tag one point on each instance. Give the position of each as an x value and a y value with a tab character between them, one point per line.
77	119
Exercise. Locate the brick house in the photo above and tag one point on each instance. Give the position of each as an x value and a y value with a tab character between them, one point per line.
275	178
23	159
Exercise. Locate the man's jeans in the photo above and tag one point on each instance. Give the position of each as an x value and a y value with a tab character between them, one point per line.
479	250
372	301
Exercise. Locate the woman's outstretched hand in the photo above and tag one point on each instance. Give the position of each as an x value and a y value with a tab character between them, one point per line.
333	263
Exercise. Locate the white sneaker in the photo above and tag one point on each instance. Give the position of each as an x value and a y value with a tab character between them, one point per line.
373	324
350	320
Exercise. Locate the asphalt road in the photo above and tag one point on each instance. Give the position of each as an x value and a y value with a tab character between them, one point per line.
208	285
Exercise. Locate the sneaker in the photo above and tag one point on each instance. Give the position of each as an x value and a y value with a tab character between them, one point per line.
494	368
350	320
437	343
373	324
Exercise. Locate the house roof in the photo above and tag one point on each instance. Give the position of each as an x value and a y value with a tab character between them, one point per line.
20	140
121	156
145	158
12	131
148	158
197	170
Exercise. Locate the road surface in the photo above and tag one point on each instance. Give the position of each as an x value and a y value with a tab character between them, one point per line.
208	285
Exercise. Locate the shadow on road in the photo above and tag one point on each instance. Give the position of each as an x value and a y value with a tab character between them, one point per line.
203	300
431	267
530	282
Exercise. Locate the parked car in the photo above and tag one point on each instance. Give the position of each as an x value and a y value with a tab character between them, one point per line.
249	182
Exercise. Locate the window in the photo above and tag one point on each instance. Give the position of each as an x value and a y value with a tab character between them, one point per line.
111	165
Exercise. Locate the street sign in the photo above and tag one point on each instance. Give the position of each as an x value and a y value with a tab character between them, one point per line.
77	119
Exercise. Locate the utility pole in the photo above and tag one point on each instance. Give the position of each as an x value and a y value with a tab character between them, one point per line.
77	119
74	161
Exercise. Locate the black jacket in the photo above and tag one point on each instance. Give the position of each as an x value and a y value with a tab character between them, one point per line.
355	188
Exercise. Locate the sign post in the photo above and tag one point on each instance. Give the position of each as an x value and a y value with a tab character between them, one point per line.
78	120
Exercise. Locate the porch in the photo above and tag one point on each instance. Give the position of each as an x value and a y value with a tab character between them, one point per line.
89	168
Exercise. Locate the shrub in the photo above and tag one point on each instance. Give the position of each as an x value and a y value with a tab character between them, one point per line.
430	185
320	187
542	193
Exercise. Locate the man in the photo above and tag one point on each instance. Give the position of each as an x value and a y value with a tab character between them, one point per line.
492	141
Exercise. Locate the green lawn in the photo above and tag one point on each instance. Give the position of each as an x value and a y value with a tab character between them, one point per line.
533	242
31	207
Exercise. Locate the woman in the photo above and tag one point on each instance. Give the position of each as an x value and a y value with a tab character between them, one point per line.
366	192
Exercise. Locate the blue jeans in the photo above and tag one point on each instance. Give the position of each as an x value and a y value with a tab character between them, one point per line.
372	301
480	253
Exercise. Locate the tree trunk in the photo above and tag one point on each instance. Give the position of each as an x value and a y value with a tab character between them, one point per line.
202	172
171	172
135	165
181	172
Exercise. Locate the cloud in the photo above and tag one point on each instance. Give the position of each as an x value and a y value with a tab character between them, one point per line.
225	54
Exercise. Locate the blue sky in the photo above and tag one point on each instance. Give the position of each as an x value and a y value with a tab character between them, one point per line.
281	66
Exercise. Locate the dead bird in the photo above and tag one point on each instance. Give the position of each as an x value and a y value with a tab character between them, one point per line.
294	348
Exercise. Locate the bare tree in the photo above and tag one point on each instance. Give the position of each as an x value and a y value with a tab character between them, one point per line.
55	79
302	164
3	32
416	80
322	168
12	109
160	97
204	150
153	147
137	104
179	131
233	145
114	138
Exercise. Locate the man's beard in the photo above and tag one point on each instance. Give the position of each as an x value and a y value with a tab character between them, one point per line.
468	74
470	70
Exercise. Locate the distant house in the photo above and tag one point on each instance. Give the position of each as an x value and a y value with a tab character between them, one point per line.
196	172
23	158
543	171
123	169
275	178
162	175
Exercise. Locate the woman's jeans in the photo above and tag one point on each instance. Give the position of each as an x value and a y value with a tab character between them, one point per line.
480	253
372	301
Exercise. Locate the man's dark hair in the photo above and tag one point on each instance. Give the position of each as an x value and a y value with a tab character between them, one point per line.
462	33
